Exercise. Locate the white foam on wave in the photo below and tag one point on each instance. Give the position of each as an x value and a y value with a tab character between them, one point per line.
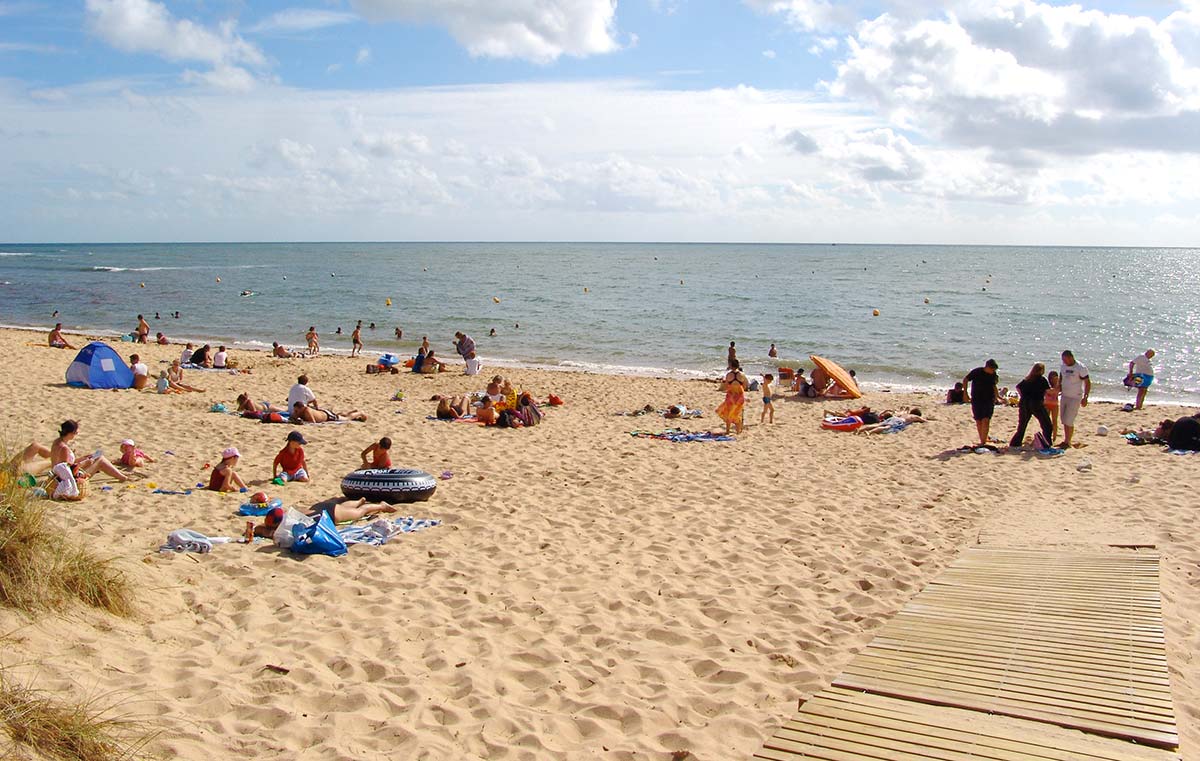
17	253
105	268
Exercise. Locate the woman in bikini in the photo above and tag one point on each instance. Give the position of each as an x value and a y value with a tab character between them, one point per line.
302	414
246	404
68	469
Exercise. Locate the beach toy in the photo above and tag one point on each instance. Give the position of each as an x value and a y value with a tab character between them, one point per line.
27	481
151	485
389	485
398	396
842	424
447	475
1102	430
259	498
874	312
105	488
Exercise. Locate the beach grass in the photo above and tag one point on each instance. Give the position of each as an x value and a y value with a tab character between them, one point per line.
41	568
53	728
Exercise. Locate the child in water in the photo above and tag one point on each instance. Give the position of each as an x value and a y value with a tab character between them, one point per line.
768	411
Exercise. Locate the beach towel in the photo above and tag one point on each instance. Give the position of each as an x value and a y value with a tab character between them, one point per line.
463	419
67	488
187	540
679	436
379	531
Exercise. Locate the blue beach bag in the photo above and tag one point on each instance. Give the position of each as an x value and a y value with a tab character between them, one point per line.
321	538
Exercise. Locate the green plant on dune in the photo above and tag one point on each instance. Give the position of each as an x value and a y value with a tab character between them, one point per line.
52	728
41	568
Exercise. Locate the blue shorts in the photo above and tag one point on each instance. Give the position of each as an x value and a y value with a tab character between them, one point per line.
1141	380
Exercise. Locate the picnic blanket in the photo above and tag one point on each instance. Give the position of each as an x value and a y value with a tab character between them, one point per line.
680	436
379	531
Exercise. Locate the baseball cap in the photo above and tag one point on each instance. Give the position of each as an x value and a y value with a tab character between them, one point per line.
128	443
297	437
230	452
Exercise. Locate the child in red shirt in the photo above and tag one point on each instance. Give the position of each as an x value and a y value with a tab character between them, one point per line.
378	453
289	464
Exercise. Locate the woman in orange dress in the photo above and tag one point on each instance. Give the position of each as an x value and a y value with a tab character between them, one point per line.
730	410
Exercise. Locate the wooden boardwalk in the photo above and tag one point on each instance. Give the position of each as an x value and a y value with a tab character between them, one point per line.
1065	639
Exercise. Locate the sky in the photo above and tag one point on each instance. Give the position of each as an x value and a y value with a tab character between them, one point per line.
894	121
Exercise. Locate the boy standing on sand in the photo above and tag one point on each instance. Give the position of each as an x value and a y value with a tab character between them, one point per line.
983	396
1076	385
768	405
356	341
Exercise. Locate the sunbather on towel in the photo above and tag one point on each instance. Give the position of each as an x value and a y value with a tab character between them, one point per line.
451	407
889	422
341	512
302	414
246	404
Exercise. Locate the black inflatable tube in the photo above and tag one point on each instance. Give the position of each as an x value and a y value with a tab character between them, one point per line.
389	485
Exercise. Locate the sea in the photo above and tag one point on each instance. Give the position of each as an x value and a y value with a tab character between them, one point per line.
903	317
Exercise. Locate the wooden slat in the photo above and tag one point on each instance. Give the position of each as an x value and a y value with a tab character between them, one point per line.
1003	657
845	725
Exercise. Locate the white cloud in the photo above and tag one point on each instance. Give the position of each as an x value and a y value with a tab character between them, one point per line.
1019	76
769	54
363	55
144	26
807	15
800	142
302	20
823	45
541	30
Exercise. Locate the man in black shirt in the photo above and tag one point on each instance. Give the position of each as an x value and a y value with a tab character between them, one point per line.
983	382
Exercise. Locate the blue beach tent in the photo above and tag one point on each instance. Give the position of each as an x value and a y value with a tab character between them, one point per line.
98	365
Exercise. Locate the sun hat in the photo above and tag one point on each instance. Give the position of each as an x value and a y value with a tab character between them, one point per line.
297	437
128	443
230	452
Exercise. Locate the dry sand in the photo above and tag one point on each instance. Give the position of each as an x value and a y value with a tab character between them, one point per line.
589	594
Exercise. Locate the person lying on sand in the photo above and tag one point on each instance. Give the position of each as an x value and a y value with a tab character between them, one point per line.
302	414
451	407
341	511
889	421
246	404
131	456
863	413
281	351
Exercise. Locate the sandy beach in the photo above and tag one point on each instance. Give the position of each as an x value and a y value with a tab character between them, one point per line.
588	594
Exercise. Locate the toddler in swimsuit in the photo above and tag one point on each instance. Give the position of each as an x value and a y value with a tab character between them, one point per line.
768	412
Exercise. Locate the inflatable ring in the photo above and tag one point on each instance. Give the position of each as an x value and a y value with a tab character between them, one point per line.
389	485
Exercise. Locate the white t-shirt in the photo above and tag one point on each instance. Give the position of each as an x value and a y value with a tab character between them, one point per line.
185	357
473	366
141	369
1072	380
219	358
300	393
1141	365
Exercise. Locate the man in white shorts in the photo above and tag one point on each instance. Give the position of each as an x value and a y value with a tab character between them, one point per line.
1076	385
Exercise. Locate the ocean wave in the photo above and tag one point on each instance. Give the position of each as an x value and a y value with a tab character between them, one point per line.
105	268
17	253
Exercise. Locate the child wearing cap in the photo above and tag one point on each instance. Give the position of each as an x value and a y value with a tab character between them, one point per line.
289	464
131	456
224	478
378	452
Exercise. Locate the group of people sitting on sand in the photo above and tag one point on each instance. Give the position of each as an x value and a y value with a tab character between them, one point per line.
1181	435
500	404
819	384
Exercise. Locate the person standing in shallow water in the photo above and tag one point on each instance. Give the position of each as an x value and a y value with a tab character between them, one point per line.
983	394
731	362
